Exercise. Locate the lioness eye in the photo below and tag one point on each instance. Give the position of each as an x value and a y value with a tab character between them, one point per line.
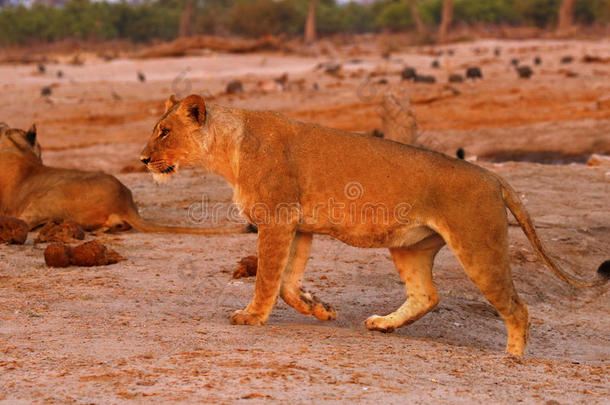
164	133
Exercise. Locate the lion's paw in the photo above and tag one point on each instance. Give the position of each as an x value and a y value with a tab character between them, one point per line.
245	318
324	312
380	323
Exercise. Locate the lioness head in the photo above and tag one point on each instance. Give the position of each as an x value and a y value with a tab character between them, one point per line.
19	140
176	137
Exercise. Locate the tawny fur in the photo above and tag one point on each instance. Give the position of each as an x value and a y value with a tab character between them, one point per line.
36	193
289	178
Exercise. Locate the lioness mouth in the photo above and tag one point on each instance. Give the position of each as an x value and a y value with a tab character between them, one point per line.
169	169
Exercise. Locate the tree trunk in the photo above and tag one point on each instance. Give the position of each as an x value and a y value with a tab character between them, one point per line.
310	24
185	21
446	18
419	24
566	15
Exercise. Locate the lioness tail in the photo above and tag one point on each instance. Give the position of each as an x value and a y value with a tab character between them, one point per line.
514	204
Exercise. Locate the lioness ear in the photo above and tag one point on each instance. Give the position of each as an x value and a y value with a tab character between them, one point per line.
170	102
31	135
194	107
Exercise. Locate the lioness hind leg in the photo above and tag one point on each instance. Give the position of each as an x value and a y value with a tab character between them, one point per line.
414	265
487	265
290	289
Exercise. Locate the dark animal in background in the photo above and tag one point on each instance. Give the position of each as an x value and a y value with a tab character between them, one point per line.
235	86
525	72
42	68
425	79
141	77
435	64
460	153
567	59
537	60
497	51
474	72
514	62
46	91
60	74
408	73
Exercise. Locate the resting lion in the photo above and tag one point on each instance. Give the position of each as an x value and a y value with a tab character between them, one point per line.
37	193
293	179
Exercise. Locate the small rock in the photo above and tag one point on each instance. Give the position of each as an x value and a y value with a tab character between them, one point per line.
497	51
247	267
57	255
377	133
460	153
46	91
60	231
456	78
537	60
235	86
332	68
42	68
514	62
13	231
567	59
435	64
141	77
604	103
60	74
598	160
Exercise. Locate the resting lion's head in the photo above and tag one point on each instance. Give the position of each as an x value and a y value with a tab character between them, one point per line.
20	141
176	137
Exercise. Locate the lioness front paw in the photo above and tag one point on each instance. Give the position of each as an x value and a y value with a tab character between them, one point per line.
380	323
324	312
245	318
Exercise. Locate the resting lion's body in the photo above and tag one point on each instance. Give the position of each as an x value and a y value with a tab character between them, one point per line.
294	180
36	193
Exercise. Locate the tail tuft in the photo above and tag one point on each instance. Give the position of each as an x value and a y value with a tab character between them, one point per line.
251	228
604	269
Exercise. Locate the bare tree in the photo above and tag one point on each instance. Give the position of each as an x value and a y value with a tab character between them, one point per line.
566	15
446	18
310	24
187	17
419	24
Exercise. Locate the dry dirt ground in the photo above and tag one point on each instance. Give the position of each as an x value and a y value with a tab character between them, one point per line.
154	328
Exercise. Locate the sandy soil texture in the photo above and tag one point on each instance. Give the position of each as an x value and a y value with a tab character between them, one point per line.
154	328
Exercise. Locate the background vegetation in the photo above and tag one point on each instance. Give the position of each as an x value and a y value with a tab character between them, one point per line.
160	19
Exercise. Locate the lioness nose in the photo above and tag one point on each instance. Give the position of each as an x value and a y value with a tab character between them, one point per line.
145	160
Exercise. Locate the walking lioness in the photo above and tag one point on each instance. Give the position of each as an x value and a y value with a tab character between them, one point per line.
293	179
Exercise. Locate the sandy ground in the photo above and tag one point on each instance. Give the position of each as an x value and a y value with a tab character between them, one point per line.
154	328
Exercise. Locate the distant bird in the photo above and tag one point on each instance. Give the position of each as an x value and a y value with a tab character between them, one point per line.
141	77
567	59
425	79
456	78
46	91
408	73
514	62
235	86
474	72
460	153
537	60
524	71
436	64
